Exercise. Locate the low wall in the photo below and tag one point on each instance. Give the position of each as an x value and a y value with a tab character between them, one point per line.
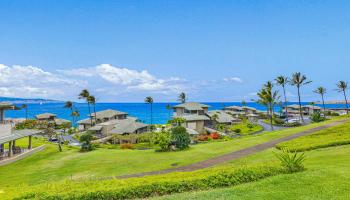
21	156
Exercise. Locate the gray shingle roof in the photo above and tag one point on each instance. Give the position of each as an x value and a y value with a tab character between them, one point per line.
85	121
6	105
109	113
194	117
192	106
45	116
128	125
233	108
222	116
17	134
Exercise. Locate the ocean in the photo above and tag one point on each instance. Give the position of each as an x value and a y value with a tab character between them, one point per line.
140	110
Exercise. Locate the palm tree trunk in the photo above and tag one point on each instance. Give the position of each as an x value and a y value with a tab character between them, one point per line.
271	118
324	107
285	102
300	111
151	114
90	114
71	112
346	102
95	112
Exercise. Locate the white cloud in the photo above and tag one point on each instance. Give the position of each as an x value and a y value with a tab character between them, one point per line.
102	80
233	79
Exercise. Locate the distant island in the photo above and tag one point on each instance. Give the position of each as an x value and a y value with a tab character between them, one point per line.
24	100
333	102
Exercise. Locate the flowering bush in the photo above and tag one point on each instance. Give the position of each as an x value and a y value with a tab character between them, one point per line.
202	137
214	136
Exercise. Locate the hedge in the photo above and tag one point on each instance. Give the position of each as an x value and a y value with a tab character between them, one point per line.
149	186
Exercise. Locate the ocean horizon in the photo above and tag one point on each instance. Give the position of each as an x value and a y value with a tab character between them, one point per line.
140	110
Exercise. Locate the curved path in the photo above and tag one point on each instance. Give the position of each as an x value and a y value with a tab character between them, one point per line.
234	155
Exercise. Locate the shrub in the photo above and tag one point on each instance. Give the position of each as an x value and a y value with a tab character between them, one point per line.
237	130
162	139
215	136
250	126
180	138
292	161
316	117
85	140
202	137
127	146
150	186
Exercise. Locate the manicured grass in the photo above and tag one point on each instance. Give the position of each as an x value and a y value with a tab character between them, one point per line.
245	130
326	177
51	165
339	135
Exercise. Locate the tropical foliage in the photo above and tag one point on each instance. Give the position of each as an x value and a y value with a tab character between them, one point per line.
298	80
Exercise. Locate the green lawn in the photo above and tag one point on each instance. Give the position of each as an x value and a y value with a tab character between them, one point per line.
51	165
244	128
326	177
334	136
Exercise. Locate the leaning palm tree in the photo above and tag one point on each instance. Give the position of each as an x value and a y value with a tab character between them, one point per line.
84	94
182	97
342	87
283	81
92	100
69	105
268	98
321	91
149	100
299	80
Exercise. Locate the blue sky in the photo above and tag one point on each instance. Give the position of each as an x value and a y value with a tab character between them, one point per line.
213	50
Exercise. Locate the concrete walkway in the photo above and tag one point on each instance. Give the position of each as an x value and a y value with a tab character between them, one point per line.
234	155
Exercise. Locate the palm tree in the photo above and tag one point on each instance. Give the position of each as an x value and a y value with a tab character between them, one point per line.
25	106
283	81
244	106
182	97
313	107
268	98
168	107
92	100
342	87
75	114
149	100
321	91
69	105
299	80
84	94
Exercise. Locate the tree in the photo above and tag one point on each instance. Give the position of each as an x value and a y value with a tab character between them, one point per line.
182	97
268	98
162	139
282	81
180	137
168	107
92	100
85	140
69	105
49	130
84	94
25	106
75	114
149	100
244	105
321	91
215	117
299	80
342	87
